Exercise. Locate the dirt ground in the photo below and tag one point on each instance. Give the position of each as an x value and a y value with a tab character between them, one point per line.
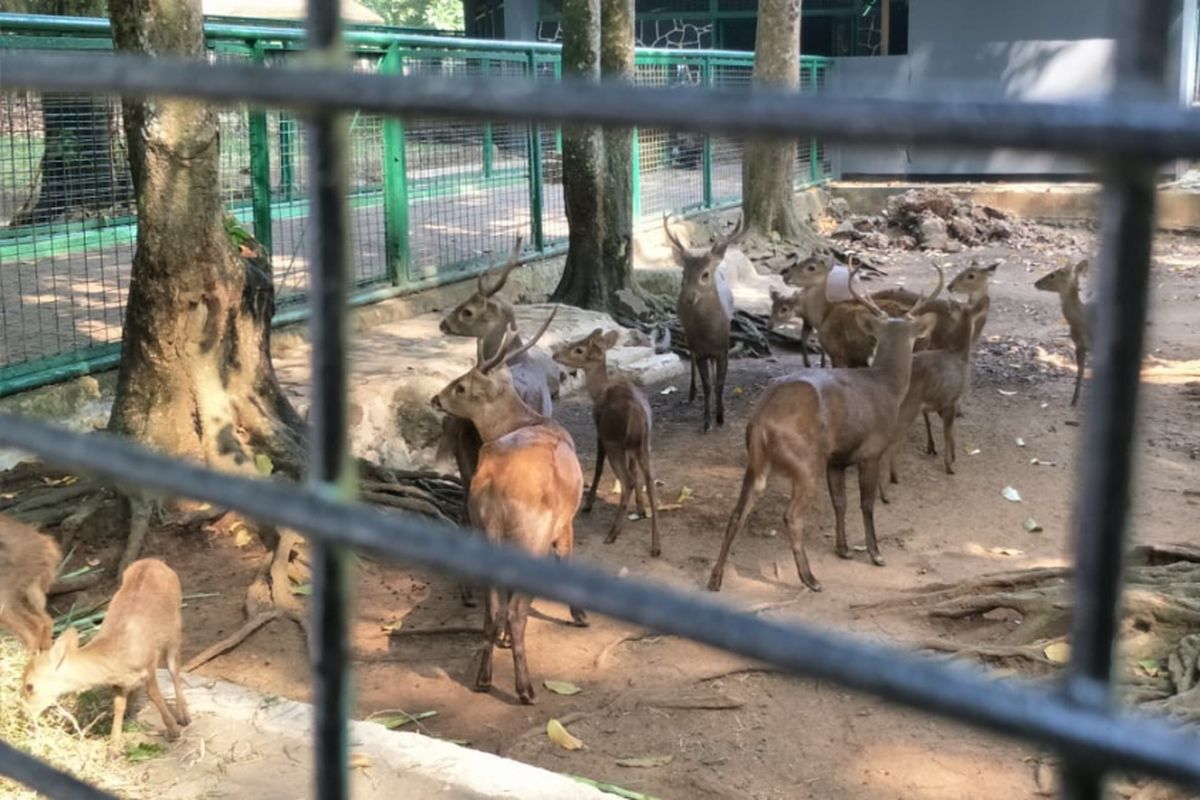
731	731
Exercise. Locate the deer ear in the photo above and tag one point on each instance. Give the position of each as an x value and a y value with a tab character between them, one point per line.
1081	268
610	339
68	642
776	295
992	267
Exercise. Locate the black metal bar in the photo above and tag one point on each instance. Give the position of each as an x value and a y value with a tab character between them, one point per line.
328	454
1121	300
1087	734
45	778
1155	131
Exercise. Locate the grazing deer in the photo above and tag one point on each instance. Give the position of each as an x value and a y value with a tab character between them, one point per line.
823	421
524	492
973	281
1064	281
938	381
28	563
706	313
142	628
623	421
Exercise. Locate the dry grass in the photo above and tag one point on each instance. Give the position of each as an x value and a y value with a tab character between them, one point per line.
56	739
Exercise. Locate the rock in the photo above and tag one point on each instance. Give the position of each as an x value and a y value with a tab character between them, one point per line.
839	209
964	230
999	229
906	242
931	232
846	230
877	240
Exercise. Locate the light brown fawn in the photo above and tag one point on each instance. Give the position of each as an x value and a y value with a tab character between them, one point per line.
524	492
1064	281
938	381
28	563
623	422
705	309
142	628
823	421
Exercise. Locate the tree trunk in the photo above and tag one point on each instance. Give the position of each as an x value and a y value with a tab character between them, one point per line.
196	378
616	66
78	170
769	166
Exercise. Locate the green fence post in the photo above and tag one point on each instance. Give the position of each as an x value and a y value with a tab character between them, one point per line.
395	184
558	130
636	178
487	129
287	155
535	171
707	76
260	165
814	163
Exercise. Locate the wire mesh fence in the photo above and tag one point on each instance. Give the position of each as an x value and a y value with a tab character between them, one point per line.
430	202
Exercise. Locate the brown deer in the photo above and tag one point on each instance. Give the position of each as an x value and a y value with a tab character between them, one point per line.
1064	281
524	491
845	334
823	421
706	313
143	627
811	276
938	381
28	563
974	282
623	421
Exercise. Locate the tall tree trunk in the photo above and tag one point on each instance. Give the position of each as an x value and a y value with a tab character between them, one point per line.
769	166
196	378
616	66
78	169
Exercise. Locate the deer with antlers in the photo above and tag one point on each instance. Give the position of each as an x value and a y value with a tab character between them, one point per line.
706	312
524	491
818	422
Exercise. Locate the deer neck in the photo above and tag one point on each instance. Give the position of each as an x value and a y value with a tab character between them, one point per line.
1072	307
893	361
816	304
503	416
92	665
595	378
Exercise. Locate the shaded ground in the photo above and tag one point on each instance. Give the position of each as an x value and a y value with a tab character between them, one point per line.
738	733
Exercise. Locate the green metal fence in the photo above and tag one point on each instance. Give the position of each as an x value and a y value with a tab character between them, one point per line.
431	202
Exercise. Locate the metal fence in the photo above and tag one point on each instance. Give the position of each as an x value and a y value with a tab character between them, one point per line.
431	201
1127	137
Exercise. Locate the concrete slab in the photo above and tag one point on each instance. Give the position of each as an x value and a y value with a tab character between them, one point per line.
242	744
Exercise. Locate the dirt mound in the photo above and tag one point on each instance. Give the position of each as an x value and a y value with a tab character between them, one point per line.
926	219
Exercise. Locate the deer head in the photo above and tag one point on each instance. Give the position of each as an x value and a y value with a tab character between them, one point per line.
484	311
1063	279
784	307
587	351
807	272
974	279
700	269
48	676
915	322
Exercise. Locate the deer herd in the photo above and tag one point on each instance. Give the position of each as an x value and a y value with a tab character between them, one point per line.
893	354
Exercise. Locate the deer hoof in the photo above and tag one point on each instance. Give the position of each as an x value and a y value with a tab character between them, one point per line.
579	618
714	582
844	552
812	583
612	537
482	686
877	560
949	470
183	719
526	697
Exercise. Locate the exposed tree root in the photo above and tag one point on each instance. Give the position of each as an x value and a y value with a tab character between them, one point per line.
983	651
233	640
79	584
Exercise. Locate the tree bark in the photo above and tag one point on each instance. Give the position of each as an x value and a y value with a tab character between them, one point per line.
616	66
769	166
196	378
78	169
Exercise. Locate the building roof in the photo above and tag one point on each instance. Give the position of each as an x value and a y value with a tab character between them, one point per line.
352	11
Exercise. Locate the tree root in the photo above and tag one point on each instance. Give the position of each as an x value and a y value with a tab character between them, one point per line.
141	510
601	660
233	640
983	651
79	584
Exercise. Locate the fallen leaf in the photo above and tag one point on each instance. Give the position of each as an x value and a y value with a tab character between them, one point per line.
1010	494
1020	442
972	450
737	390
684	494
1037	462
241	534
392	627
1150	665
1032	526
1007	551
616	486
669	390
645	761
1059	652
1006	392
559	735
562	687
303	590
394	720
859	548
359	761
264	464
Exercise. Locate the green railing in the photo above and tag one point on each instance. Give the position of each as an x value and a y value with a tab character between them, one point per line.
431	201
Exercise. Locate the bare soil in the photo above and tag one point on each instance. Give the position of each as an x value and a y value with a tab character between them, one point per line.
733	732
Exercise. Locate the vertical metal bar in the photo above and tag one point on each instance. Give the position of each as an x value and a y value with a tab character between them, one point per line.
636	177
260	165
329	468
395	184
558	130
536	187
814	163
287	155
1121	300
707	164
487	129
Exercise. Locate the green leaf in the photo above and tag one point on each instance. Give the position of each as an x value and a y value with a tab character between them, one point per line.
1150	665
144	751
399	719
303	590
562	687
263	464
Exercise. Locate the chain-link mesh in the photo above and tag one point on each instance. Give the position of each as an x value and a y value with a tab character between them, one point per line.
430	202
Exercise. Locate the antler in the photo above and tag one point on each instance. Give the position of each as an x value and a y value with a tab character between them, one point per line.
514	258
502	354
671	237
864	299
538	335
923	301
739	231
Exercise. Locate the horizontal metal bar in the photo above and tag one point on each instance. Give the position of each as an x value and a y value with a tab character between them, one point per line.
1156	131
46	779
953	691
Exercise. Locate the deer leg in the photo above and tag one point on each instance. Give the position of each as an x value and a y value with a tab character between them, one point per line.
35	598
564	543
120	700
706	385
156	697
889	457
181	710
805	335
868	485
620	465
644	466
836	478
1080	357
794	521
503	634
722	364
752	487
930	447
639	490
26	627
949	453
491	626
591	495
518	613
692	388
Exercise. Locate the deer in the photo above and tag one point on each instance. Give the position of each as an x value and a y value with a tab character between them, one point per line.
972	281
823	283
937	383
28	564
142	628
824	421
705	310
524	492
1064	281
623	421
